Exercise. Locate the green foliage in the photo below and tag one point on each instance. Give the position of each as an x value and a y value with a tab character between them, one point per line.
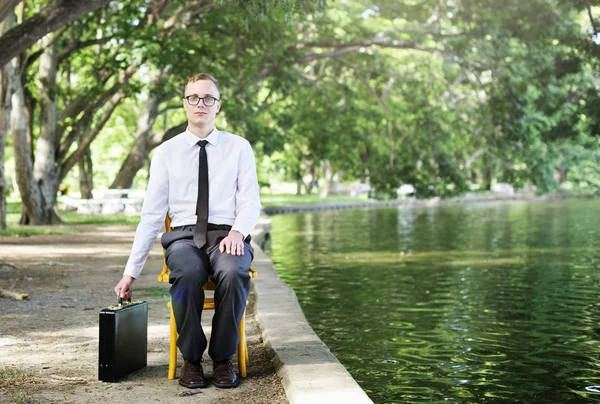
449	96
70	218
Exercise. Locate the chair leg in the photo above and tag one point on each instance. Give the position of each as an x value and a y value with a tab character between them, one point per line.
242	347
243	357
172	345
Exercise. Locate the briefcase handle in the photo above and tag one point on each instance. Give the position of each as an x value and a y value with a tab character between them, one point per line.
121	300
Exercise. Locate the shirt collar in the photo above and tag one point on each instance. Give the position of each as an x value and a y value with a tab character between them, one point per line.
212	138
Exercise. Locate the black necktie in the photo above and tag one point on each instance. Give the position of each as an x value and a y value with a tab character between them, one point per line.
202	203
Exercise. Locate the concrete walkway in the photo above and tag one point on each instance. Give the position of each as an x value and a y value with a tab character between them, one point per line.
309	371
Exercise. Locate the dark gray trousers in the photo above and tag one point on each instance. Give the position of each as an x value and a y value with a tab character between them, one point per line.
190	268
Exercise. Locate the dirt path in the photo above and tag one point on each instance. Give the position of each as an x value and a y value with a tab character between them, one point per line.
49	343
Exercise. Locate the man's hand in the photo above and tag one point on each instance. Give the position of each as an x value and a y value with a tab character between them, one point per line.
233	244
123	287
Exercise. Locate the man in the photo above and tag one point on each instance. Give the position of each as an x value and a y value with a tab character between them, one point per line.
205	179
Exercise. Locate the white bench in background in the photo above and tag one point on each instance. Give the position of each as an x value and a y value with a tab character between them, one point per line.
107	202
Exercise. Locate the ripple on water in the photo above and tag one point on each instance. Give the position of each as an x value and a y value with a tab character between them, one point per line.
490	303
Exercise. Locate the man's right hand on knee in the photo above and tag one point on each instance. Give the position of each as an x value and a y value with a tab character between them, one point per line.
123	287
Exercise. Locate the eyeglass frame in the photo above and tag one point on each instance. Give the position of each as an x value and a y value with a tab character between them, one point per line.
201	99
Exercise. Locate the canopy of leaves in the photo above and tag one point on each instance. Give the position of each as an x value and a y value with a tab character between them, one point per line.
449	96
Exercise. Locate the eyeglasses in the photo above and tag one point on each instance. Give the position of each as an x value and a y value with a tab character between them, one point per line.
194	100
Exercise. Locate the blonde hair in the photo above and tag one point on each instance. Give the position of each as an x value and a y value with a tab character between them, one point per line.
203	76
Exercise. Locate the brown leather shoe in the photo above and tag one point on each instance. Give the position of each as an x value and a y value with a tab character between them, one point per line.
224	376
192	376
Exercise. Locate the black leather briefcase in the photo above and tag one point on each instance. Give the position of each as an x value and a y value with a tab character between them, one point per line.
123	339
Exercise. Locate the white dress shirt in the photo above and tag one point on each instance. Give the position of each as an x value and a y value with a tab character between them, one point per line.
173	186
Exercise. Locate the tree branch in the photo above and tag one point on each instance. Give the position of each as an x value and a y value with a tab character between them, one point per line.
176	17
77	45
57	14
166	134
503	162
169	108
91	108
589	10
31	58
80	104
90	136
343	48
472	158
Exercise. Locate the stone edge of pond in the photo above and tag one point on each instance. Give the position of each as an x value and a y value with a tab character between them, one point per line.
309	372
413	202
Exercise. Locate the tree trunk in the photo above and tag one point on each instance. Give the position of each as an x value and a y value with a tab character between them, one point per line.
329	179
5	94
30	194
45	169
560	174
486	183
86	175
138	155
30	104
308	171
6	91
38	201
299	182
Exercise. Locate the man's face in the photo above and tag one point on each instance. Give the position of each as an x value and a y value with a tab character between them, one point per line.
201	115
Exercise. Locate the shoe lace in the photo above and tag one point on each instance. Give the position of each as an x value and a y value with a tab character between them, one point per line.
225	366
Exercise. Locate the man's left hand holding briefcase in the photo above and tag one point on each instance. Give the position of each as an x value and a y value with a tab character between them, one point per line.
123	339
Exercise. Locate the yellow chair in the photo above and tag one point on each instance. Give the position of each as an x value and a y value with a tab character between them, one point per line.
209	304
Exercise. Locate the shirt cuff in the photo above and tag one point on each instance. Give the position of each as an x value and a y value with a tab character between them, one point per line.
132	272
240	230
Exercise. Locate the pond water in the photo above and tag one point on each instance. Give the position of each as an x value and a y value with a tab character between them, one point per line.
470	303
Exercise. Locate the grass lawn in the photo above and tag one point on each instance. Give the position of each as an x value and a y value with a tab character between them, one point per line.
72	219
11	378
291	199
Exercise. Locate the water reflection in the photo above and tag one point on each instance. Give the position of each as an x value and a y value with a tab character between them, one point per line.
493	302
